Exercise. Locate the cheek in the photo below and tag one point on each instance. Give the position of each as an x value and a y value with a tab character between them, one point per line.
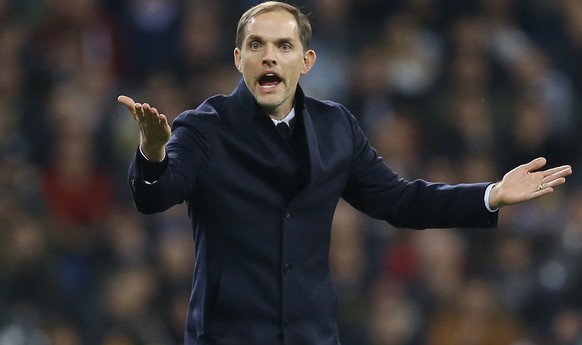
297	72
247	68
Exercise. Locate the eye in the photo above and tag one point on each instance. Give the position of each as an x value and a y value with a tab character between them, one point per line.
285	47
255	45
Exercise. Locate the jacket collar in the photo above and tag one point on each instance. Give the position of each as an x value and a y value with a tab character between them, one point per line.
255	114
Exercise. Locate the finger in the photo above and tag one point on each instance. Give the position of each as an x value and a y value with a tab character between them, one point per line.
151	115
535	164
555	170
130	104
557	182
158	122
542	192
563	170
127	101
559	174
163	120
139	112
554	182
157	116
148	112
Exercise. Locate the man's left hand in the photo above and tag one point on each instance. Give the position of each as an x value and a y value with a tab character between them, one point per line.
525	183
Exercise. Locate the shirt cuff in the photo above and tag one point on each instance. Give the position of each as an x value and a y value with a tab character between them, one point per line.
486	198
147	159
155	169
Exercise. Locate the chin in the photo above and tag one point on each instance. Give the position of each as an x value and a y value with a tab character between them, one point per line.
269	102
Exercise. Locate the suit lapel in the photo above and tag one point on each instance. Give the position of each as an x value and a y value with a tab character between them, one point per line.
254	125
315	168
269	139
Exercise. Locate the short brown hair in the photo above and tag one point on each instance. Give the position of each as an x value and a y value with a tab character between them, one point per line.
272	6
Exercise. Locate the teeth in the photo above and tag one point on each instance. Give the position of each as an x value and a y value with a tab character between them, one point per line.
272	83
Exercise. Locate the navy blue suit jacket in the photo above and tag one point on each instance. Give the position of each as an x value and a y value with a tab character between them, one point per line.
261	212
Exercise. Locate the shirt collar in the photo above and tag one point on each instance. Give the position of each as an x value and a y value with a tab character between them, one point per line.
287	119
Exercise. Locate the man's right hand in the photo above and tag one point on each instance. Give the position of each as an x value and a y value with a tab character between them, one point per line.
154	130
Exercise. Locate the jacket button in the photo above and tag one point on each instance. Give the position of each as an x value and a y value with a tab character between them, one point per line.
287	268
288	214
288	324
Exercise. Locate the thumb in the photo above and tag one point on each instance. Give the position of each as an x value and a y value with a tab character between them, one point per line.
127	101
535	164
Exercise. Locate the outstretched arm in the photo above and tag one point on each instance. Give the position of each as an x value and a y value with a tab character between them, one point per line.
154	130
527	182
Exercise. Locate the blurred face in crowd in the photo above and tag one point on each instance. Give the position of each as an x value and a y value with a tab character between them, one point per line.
271	59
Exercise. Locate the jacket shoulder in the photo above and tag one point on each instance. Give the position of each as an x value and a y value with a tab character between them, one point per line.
323	106
329	111
208	111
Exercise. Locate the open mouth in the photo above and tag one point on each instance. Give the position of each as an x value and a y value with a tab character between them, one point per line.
269	81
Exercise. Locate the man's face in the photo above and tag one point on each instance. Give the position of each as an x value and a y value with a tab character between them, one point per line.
272	59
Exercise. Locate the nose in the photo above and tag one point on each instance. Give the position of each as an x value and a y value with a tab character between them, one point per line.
269	57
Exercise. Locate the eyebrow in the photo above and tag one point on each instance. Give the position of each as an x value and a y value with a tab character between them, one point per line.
253	37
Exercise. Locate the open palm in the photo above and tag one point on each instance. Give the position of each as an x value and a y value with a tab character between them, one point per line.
527	182
153	128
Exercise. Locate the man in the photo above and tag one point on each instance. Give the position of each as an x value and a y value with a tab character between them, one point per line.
261	202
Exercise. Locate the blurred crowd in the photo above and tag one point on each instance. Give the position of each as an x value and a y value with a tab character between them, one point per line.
446	90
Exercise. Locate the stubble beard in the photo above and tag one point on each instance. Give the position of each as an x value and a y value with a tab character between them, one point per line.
270	106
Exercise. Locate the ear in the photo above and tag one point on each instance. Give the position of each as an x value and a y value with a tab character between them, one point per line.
308	60
237	59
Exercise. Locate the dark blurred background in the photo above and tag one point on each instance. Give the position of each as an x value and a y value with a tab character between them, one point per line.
446	90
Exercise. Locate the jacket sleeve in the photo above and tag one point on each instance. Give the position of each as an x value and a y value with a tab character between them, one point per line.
155	187
376	190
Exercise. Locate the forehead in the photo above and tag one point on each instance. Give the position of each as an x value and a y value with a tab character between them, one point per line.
273	25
